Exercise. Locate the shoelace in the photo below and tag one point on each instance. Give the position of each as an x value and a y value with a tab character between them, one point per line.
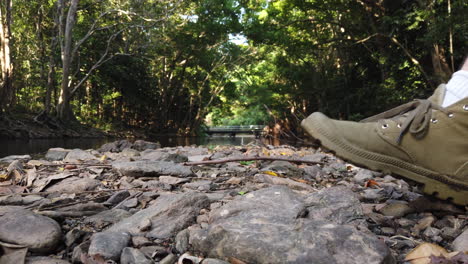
417	116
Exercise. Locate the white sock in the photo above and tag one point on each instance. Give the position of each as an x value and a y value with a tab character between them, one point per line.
457	88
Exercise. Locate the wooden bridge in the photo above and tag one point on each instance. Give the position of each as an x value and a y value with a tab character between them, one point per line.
257	130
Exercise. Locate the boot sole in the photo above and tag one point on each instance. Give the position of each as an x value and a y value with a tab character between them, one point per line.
435	184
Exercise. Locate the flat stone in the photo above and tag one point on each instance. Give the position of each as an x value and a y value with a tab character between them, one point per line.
140	241
107	217
182	241
461	242
151	168
396	209
197	158
337	205
78	154
108	245
131	153
167	216
265	178
172	180
202	185
213	261
55	154
117	197
39	233
74	184
142	145
45	260
272	226
133	256
11	158
363	175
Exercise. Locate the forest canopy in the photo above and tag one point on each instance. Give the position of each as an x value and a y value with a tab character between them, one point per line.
174	66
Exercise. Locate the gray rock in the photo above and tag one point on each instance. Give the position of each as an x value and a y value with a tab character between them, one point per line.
312	172
73	236
116	146
151	168
74	184
213	261
373	194
172	180
131	153
271	226
284	168
117	197
396	209
363	175
167	216
109	245
337	205
107	217
169	259
142	145
152	154
45	260
39	233
78	154
140	241
202	185
176	158
182	241
133	256
10	159
461	242
55	154
265	178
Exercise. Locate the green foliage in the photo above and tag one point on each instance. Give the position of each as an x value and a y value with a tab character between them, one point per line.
173	67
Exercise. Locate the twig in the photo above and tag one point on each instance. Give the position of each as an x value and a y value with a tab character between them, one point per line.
406	238
250	159
87	192
77	164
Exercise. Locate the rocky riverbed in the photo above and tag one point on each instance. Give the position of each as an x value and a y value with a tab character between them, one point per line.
139	203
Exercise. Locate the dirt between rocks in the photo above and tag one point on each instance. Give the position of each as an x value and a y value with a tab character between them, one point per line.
139	203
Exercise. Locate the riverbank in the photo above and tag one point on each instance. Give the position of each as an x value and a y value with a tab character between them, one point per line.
29	126
135	202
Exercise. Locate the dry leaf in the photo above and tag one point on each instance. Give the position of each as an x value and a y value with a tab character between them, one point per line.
103	157
422	253
272	173
11	189
371	183
70	167
4	177
234	260
31	175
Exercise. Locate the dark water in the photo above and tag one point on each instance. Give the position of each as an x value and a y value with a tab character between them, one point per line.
37	146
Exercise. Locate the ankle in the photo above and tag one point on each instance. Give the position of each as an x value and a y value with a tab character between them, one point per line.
457	88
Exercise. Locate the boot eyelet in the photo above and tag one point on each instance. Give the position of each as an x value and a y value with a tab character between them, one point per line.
465	107
434	121
385	126
450	115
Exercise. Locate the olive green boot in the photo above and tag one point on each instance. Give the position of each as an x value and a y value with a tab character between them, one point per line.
420	140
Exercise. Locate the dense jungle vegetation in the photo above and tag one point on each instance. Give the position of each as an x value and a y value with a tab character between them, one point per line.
172	66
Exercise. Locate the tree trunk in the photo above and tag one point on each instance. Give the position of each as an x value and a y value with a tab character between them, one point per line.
64	111
6	87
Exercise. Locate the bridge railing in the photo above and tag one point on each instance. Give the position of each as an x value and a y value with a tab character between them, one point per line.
237	128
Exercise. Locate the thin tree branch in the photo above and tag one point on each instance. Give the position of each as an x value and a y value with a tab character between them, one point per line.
207	162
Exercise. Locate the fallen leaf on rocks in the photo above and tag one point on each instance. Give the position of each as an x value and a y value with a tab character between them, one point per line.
41	184
12	253
371	183
31	175
103	158
272	173
70	167
233	260
422	254
11	189
4	177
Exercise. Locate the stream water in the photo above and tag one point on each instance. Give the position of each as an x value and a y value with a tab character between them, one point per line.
37	146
